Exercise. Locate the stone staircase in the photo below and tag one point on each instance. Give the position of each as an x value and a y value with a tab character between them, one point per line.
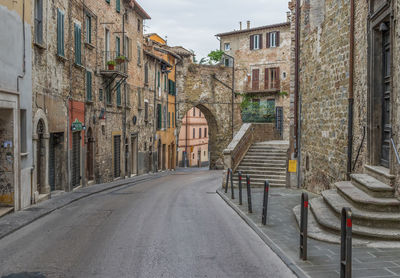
376	212
264	161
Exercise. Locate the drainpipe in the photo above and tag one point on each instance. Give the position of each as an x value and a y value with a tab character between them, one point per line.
351	92
297	103
155	113
125	95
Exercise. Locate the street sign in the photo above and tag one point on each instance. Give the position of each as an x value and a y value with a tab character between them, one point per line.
77	126
292	166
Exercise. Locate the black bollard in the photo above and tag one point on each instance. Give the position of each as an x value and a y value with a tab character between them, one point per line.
232	189
249	194
346	244
227	180
240	189
303	226
265	203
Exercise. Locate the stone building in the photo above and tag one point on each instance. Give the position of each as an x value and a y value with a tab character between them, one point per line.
193	140
88	79
262	71
165	102
16	155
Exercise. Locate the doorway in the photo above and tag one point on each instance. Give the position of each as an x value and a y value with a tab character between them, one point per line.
90	155
41	158
134	157
76	159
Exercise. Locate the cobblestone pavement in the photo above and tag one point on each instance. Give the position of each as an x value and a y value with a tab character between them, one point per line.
323	258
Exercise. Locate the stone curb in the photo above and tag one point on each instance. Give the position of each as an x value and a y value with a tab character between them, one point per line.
275	248
12	222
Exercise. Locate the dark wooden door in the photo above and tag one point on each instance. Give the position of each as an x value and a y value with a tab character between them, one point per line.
117	156
386	99
256	80
76	159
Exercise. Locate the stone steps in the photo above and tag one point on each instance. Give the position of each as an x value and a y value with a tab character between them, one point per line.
372	186
329	221
361	217
380	173
363	200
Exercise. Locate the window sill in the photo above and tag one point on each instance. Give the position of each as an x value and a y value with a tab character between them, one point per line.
40	46
140	108
79	66
24	154
119	106
61	58
89	102
89	45
109	105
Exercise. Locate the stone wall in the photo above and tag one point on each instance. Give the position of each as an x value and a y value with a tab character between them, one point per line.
324	79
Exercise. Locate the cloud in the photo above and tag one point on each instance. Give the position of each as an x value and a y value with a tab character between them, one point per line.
193	23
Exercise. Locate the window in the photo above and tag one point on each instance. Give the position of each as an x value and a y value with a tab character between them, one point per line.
117	46
119	95
272	78
227	46
146	111
173	119
194	133
165	116
169	119
39	21
60	33
199	132
158	79
226	62
139	25
273	39
205	133
108	1
107	44
118	5
101	95
165	82
88	29
108	96
127	48
159	116
88	86
78	54
146	73
139	54
194	112
255	42
139	91
127	94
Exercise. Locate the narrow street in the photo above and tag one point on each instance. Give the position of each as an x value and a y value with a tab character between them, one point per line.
174	226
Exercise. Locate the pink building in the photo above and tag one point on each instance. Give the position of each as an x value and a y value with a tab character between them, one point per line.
193	140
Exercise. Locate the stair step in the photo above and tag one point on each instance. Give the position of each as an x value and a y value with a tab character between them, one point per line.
372	186
364	201
263	173
274	160
326	218
380	173
361	217
265	157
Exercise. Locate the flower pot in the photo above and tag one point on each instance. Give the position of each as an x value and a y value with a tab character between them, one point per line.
111	67
119	61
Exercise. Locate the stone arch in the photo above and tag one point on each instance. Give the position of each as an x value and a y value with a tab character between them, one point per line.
214	131
41	138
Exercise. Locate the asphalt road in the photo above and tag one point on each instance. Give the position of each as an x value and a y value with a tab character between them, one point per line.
175	226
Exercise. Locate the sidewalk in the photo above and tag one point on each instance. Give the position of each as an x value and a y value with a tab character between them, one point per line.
15	221
282	234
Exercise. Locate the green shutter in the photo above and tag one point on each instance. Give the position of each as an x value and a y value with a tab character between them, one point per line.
159	116
158	79
101	94
89	85
118	5
119	95
78	32
108	1
60	33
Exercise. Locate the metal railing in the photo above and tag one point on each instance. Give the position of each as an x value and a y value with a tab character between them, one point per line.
115	61
258	113
395	150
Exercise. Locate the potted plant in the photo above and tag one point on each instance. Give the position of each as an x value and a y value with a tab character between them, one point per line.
120	59
111	65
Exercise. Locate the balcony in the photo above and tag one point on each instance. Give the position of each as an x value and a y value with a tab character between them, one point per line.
253	86
114	70
259	112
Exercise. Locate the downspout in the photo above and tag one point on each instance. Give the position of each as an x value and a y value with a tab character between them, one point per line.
69	103
125	102
297	104
351	93
155	113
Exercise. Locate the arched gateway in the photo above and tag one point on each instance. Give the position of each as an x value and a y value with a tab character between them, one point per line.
208	89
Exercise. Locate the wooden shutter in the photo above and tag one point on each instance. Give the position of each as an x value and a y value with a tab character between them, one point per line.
251	42
261	41
278	79
256	80
118	5
117	46
77	44
266	85
89	85
268	38
277	39
58	32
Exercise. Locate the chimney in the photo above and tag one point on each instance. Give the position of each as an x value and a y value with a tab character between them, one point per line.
248	24
240	24
289	16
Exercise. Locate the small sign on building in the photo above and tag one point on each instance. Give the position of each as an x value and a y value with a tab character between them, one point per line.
77	126
292	166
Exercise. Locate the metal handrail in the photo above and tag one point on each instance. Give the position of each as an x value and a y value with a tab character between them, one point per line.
395	150
359	149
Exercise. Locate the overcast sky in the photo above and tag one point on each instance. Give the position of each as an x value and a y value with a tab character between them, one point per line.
193	23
